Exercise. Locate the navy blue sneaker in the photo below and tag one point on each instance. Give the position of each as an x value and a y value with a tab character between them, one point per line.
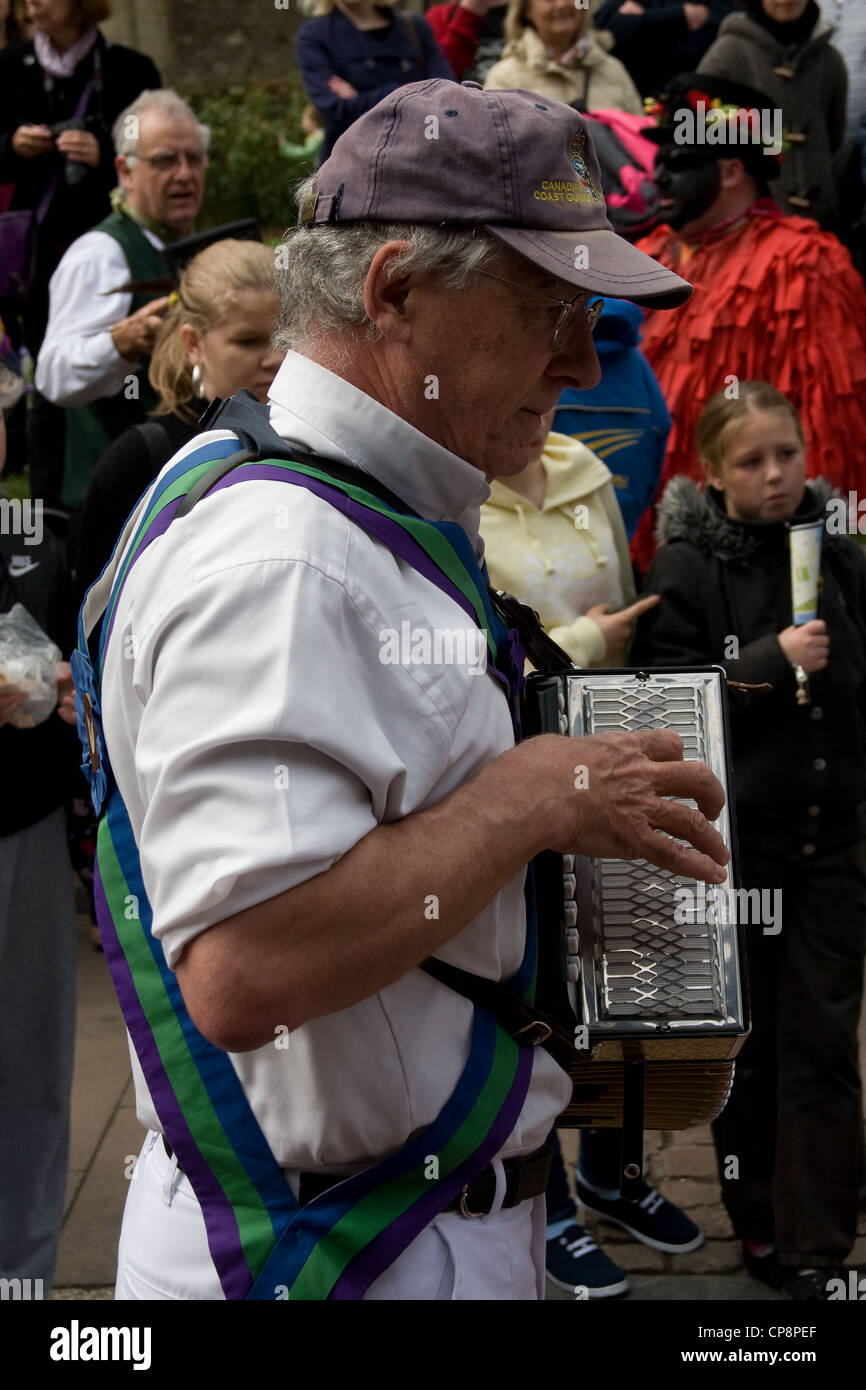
575	1263
649	1218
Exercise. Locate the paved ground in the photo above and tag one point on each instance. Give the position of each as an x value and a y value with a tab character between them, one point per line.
106	1138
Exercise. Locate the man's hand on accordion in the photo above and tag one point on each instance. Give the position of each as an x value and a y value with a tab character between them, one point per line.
619	807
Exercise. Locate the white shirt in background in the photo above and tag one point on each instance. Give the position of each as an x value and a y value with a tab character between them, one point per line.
78	361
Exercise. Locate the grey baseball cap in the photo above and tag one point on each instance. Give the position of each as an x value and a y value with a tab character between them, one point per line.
519	165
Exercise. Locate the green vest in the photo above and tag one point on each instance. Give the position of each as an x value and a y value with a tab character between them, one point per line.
90	429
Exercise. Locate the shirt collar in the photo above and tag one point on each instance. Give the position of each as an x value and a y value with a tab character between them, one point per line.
312	406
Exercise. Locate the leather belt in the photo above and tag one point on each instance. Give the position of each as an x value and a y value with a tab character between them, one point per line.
524	1178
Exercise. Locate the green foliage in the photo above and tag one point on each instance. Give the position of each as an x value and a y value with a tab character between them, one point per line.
247	175
15	485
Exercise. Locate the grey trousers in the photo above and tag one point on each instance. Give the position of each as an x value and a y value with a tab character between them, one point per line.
37	1040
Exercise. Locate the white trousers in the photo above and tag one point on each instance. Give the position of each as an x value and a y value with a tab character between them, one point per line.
163	1252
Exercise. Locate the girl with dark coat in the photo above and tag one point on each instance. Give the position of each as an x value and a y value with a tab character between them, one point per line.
793	1124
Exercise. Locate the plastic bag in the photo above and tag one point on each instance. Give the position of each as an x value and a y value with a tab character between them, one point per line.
29	661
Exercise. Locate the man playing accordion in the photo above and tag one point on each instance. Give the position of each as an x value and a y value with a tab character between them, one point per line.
301	817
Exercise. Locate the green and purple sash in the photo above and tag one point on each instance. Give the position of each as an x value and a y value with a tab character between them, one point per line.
263	1243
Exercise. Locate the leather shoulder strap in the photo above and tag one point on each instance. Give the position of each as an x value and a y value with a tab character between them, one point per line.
246	417
526	1023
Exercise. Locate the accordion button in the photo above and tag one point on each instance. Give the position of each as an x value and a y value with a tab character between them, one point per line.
572	943
569	885
572	972
820	765
570	914
817	712
568	863
814	810
808	849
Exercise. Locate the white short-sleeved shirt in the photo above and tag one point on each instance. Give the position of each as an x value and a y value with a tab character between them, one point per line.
78	361
256	735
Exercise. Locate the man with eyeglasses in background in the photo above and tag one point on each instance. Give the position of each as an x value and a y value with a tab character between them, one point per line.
95	356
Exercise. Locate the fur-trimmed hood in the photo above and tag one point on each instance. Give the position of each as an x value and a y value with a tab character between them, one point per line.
688	513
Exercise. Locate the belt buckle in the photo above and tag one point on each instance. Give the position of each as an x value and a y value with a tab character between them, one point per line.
544	1032
466	1210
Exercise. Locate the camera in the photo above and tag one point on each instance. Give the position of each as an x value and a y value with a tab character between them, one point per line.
73	171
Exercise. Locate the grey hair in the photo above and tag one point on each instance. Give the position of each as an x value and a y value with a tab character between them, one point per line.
321	274
125	131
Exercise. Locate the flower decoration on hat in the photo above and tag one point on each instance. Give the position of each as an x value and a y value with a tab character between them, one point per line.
732	115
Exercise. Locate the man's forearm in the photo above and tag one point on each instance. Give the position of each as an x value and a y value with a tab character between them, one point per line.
347	933
359	926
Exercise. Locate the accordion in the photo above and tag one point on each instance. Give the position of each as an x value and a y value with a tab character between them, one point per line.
644	966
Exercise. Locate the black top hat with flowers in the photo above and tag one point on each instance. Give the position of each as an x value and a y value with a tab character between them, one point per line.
695	104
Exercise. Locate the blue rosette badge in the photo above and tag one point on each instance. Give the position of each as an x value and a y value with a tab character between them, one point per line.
94	760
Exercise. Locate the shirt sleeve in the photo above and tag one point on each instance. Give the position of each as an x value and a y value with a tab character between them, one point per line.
583	640
78	361
271	738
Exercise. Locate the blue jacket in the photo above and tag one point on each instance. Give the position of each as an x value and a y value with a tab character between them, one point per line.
624	420
376	62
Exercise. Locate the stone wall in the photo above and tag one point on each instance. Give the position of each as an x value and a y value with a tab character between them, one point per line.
221	41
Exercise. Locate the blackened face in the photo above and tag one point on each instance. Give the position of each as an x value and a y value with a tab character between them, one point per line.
688	184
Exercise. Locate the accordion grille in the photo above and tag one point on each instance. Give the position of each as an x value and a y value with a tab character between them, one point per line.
650	963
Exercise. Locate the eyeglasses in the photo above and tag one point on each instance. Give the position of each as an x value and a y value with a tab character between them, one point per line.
165	163
569	309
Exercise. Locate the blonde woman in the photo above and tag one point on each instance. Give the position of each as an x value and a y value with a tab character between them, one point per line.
353	53
215	340
551	49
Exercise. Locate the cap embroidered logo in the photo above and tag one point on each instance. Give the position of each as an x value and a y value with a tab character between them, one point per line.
578	163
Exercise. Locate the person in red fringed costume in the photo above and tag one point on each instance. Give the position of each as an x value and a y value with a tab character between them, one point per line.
776	298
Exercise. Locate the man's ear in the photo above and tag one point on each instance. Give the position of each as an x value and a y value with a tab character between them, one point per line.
122	170
385	296
732	174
